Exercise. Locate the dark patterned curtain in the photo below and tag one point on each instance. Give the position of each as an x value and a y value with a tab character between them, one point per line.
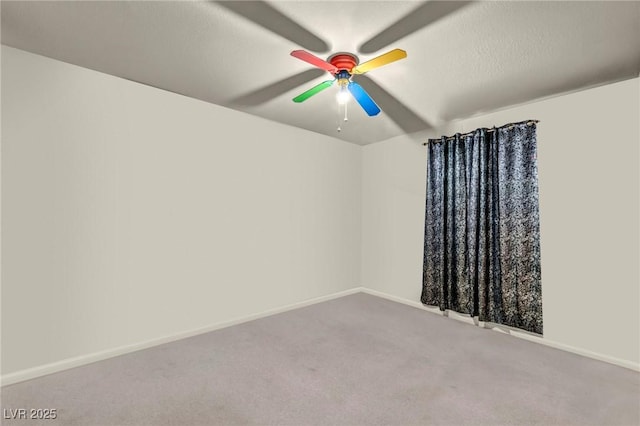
482	238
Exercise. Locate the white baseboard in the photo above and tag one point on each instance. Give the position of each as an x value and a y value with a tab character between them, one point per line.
65	364
43	370
514	332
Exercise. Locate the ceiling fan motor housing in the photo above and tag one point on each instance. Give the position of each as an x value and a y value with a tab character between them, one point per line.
343	61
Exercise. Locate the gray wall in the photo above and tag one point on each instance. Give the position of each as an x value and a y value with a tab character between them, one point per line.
131	214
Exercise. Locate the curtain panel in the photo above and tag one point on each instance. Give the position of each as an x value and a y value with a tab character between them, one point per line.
482	237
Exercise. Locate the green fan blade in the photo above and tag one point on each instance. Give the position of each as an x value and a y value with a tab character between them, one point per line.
309	93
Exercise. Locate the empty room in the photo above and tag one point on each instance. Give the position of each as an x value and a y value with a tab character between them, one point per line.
320	213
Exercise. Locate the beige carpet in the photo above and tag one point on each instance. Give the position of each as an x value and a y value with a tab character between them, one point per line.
357	360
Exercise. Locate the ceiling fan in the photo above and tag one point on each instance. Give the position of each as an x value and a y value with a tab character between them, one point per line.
267	15
343	66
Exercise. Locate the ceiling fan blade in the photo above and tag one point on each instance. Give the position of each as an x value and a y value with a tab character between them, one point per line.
314	60
387	58
271	19
314	90
399	113
273	90
422	16
363	99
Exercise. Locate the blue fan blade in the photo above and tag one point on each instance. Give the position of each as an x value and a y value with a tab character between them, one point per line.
363	99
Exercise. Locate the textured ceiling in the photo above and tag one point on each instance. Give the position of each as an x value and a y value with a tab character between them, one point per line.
463	58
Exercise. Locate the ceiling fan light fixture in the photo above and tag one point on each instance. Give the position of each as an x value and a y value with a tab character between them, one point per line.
343	78
343	95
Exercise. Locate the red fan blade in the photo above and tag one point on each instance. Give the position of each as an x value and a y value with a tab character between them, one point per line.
314	60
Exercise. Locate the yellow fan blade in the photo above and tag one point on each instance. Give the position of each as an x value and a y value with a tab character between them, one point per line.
387	58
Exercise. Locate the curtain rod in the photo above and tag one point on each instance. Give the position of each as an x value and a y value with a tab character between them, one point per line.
508	125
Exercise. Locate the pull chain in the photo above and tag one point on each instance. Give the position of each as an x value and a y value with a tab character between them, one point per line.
345	115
